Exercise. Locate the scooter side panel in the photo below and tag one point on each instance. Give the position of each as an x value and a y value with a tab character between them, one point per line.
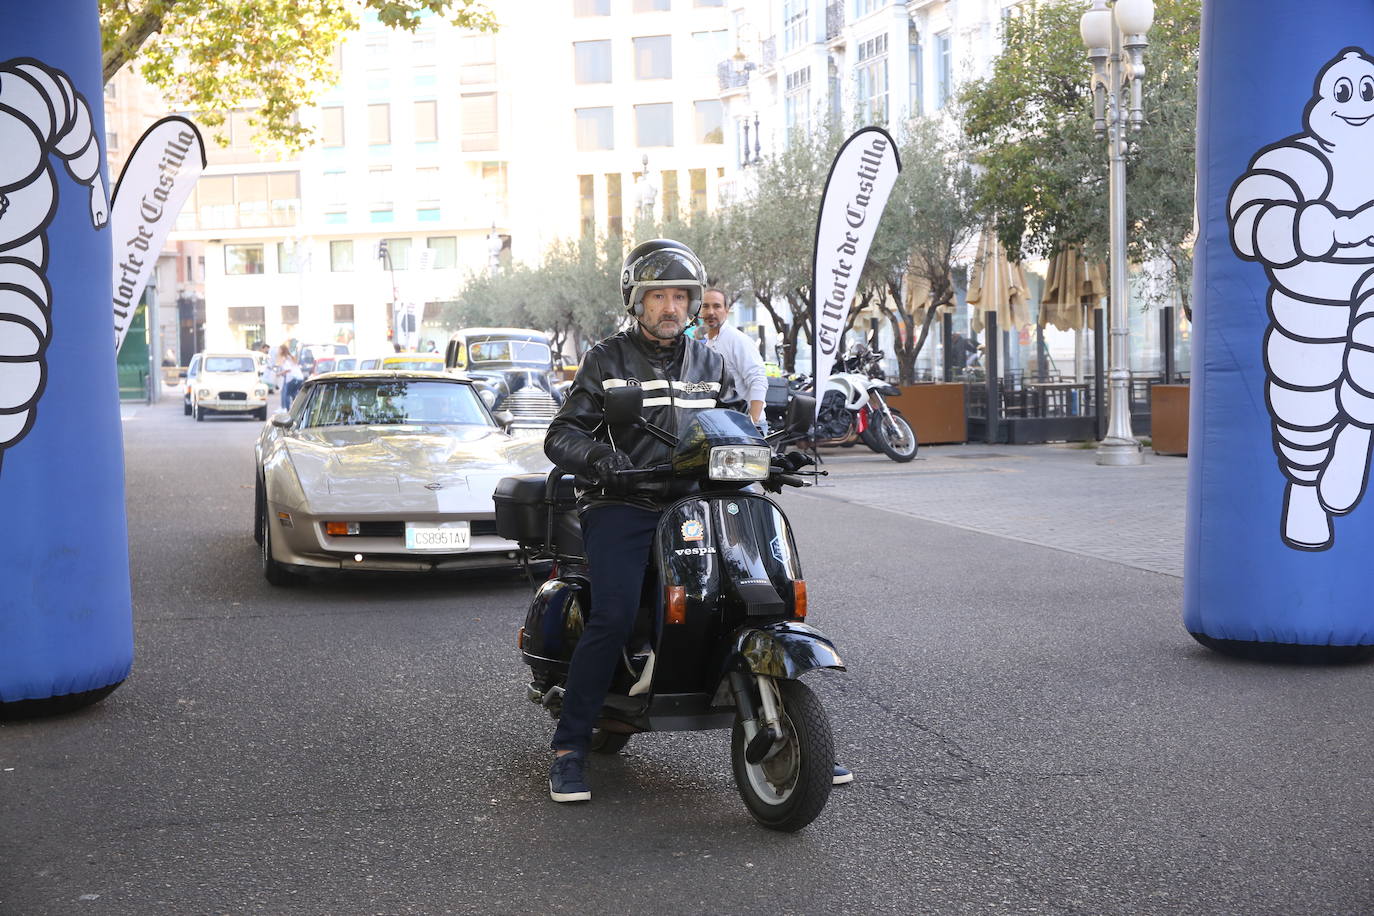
554	623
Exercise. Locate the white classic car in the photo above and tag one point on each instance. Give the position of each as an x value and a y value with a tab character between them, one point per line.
384	471
226	382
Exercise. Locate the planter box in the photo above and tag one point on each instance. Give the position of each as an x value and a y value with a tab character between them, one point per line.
935	411
1169	420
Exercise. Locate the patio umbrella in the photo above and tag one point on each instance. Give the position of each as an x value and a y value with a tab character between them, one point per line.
996	284
1071	283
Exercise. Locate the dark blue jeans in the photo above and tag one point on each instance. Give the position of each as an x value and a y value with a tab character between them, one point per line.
617	540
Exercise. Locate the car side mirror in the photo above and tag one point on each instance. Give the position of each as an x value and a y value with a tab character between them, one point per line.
801	413
504	417
281	419
624	406
181	373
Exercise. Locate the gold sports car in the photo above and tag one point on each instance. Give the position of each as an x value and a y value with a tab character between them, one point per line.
384	471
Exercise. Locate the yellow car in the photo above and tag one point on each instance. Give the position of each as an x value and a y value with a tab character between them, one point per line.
412	362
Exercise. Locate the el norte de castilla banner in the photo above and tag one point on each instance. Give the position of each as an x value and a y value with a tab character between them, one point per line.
856	192
154	185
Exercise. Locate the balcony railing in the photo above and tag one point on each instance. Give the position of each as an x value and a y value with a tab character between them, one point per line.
834	20
769	52
728	78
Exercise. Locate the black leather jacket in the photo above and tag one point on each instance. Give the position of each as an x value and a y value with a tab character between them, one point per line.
677	381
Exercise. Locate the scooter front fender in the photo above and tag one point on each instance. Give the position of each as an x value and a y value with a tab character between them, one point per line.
786	649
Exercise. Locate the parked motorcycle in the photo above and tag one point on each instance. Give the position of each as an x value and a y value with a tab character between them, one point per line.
854	408
721	640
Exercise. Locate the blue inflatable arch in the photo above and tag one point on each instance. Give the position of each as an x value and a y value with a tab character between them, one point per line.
66	634
1282	400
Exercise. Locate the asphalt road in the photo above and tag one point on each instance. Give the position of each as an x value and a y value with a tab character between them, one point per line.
1031	729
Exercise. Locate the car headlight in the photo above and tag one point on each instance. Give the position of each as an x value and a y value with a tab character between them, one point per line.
739	462
204	392
488	396
260	392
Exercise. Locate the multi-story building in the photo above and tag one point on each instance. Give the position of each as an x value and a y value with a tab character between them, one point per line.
444	152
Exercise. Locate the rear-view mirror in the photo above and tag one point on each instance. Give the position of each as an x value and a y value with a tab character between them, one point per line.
181	373
281	419
504	417
801	413
624	405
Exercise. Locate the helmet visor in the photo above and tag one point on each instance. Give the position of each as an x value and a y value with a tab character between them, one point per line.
659	266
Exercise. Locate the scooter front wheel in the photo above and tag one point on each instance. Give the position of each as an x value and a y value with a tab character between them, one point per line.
788	788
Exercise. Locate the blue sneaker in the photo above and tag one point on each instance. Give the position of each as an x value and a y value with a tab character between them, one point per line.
841	776
566	781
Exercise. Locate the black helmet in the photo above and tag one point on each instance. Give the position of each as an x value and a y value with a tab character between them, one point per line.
661	263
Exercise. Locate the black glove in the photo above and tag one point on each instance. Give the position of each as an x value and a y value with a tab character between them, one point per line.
604	470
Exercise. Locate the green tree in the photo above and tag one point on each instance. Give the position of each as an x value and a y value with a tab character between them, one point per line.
211	56
1044	172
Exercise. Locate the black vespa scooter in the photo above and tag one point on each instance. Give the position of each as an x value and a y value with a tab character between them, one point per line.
721	640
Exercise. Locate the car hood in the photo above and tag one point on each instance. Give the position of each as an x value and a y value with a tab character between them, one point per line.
384	469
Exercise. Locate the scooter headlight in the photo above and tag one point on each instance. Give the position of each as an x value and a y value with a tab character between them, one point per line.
740	462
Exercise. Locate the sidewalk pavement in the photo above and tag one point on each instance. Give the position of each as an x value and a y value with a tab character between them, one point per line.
1050	495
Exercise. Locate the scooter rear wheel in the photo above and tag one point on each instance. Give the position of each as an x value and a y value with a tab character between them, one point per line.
789	789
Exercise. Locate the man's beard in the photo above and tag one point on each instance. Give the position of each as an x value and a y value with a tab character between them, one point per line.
656	332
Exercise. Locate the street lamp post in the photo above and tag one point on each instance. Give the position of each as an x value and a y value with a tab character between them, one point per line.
1114	33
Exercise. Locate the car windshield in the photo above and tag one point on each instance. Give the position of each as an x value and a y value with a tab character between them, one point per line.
509	351
229	364
423	363
392	402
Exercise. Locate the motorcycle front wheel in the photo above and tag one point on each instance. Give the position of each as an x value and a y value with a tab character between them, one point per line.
895	437
788	789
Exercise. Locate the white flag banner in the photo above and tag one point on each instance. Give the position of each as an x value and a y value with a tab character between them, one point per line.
156	181
861	179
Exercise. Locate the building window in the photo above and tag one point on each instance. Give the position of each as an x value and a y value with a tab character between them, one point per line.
243	259
426	121
379	188
592	61
796	24
243	201
615	223
378	124
864	7
870	78
944	70
591	7
595	128
916	102
709	121
333	133
343	324
796	101
289	257
422	47
425	77
708	2
376	52
478	56
479	121
445	250
652	6
586	189
709	49
671	198
654	124
654	57
427	192
291	314
398	253
341	254
697	204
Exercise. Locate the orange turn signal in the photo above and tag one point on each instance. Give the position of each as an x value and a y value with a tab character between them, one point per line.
799	599
520	639
676	611
340	529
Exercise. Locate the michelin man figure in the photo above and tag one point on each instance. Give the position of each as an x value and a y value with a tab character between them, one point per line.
40	114
1304	209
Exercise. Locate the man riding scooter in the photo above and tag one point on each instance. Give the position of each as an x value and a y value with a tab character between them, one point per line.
662	282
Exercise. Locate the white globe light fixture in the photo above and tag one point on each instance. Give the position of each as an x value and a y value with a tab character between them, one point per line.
1114	34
